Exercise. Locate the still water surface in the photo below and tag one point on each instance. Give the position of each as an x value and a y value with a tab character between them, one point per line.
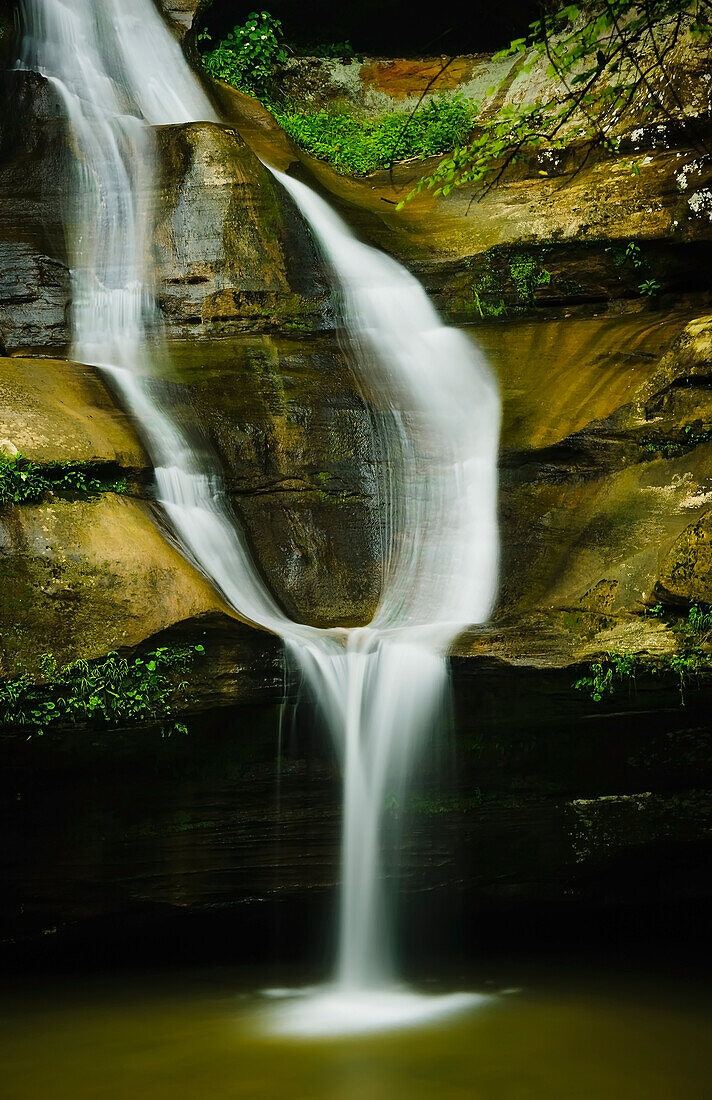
198	1036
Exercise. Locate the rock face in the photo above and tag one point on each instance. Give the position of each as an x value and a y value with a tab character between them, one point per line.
605	510
34	276
605	472
182	13
598	506
553	234
229	252
81	577
377	85
86	577
54	411
605	449
686	573
294	440
554	813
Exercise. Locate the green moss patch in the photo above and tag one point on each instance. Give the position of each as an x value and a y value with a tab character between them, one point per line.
356	145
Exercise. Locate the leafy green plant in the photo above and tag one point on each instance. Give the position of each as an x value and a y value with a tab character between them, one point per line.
699	620
669	446
487	307
20	480
512	127
113	690
350	142
609	673
606	675
686	666
597	60
23	481
633	255
358	145
248	55
630	253
527	275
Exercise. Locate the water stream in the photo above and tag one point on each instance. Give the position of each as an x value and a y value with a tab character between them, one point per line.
118	73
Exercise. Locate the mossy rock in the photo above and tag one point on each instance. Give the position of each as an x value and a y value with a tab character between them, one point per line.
82	578
53	411
230	249
686	573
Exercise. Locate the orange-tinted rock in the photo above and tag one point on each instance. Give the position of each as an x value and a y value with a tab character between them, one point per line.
402	79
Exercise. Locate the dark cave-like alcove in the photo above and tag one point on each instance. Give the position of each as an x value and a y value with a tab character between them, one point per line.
391	28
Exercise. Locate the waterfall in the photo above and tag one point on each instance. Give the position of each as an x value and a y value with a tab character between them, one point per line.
382	692
119	73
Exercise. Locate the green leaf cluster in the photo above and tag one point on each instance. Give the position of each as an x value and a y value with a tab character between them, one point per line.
632	254
629	253
357	145
527	275
598	58
114	690
607	674
693	659
669	446
23	481
699	620
498	138
247	57
351	143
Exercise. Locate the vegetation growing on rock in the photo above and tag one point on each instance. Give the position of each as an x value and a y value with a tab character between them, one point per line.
351	142
595	72
358	145
247	56
115	690
23	481
693	660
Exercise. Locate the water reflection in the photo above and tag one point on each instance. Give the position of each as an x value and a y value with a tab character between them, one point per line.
197	1036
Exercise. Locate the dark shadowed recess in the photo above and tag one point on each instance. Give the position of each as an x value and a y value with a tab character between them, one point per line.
543	825
388	27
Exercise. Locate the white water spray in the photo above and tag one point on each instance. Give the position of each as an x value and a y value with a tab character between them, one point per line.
118	73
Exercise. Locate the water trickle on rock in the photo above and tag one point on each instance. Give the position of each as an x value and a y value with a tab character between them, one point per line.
118	73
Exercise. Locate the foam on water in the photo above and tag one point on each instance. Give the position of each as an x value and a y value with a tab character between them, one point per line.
333	1011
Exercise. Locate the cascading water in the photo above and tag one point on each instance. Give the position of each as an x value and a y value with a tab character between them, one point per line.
382	692
118	73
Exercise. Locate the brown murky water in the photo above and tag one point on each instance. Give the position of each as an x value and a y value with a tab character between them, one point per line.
200	1037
